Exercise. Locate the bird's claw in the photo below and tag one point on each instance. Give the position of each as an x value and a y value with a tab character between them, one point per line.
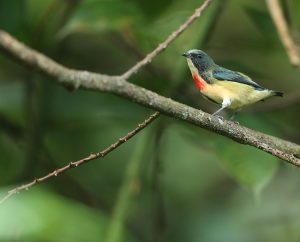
220	118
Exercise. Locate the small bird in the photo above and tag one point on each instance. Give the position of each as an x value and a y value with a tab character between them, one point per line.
231	89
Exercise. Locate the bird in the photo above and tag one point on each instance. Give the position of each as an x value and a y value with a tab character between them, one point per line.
230	89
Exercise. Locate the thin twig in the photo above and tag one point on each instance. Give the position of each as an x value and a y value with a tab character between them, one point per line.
283	31
149	57
78	163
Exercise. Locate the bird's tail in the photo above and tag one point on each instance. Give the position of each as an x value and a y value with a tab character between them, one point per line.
278	94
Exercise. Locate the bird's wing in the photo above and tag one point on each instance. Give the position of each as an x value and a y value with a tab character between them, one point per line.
223	74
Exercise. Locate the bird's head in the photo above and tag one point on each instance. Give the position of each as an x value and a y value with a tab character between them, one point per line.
199	59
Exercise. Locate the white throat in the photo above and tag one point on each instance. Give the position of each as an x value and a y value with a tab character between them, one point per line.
192	67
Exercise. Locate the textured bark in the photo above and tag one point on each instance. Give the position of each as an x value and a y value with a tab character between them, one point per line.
117	85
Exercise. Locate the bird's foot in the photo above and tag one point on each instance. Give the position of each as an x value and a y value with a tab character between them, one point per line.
220	118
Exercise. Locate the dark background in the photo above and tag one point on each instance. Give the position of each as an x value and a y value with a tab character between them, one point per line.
173	181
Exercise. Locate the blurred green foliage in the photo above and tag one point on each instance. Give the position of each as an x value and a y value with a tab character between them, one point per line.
189	185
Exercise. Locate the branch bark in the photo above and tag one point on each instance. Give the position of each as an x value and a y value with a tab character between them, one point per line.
162	46
283	31
117	85
85	160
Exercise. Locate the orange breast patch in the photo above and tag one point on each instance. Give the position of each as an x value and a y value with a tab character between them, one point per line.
199	82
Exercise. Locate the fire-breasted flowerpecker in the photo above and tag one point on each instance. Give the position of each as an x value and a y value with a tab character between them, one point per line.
231	89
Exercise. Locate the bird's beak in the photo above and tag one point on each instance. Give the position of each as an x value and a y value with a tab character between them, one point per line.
186	55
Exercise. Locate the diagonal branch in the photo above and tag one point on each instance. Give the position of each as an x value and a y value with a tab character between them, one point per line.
162	46
85	160
282	149
114	84
117	85
283	31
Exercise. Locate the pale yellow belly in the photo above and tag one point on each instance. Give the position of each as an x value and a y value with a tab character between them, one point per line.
239	94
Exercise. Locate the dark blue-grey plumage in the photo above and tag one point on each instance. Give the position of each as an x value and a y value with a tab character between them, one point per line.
223	74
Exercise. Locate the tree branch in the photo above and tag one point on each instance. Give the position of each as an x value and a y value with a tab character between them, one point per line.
70	78
283	31
162	46
78	163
